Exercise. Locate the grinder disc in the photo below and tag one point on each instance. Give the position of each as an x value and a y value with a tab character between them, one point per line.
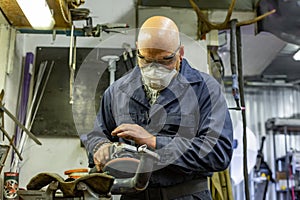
122	167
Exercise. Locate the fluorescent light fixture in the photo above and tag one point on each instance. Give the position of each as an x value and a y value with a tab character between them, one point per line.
37	13
297	56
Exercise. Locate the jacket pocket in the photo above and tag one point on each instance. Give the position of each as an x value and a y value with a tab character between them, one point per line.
180	125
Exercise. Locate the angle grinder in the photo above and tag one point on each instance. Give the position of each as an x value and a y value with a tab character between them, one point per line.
125	159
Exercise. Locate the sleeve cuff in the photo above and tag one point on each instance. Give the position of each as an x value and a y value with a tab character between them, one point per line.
162	141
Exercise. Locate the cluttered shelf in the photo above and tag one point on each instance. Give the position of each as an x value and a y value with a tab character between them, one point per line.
295	189
280	124
287	167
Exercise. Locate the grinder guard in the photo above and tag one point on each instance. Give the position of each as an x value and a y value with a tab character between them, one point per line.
131	166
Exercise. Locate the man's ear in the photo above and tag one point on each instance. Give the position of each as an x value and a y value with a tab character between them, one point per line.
181	52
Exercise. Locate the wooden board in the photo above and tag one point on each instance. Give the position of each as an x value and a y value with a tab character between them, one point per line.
13	13
16	17
58	16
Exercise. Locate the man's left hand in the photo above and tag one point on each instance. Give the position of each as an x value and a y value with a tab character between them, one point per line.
136	133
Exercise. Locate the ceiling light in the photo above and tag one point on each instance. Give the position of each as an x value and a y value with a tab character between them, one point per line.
37	13
297	56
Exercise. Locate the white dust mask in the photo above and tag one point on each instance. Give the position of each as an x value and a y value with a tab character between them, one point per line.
157	76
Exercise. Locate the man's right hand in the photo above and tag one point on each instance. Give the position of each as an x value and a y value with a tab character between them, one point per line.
101	157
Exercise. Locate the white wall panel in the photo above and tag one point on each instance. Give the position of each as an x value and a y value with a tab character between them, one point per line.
4	45
57	154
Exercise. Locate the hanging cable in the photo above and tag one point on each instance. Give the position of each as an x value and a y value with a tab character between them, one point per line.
79	13
67	19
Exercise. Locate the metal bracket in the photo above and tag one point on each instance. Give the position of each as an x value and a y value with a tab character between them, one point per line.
89	194
49	194
112	66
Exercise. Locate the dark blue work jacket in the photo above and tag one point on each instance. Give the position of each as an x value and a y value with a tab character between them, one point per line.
190	120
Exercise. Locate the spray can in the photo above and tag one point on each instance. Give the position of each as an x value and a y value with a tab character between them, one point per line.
10	186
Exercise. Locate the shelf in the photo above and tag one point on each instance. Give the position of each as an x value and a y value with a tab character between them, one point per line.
279	124
284	191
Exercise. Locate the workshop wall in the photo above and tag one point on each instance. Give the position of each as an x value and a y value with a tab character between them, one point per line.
263	103
7	44
9	81
57	154
3	28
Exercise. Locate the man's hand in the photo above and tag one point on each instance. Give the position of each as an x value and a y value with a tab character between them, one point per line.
136	133
101	157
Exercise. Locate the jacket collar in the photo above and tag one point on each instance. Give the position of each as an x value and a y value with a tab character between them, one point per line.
191	75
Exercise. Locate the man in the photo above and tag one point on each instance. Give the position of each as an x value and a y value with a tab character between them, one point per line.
175	110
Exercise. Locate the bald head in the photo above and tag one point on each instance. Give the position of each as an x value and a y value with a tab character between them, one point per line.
159	32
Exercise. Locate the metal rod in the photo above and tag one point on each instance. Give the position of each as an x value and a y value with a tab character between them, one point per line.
287	164
20	133
274	193
42	93
1	113
15	160
71	62
241	89
233	59
20	125
29	123
24	98
233	62
11	142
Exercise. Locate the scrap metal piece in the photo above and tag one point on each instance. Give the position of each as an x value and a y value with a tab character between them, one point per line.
19	124
100	183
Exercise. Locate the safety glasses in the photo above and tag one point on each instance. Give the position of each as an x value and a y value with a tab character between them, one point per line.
166	60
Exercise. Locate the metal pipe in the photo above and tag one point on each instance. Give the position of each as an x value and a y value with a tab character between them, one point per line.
112	70
15	160
11	142
141	179
30	119
241	88
274	164
41	95
287	164
137	183
112	66
233	62
270	84
77	32
72	54
20	125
